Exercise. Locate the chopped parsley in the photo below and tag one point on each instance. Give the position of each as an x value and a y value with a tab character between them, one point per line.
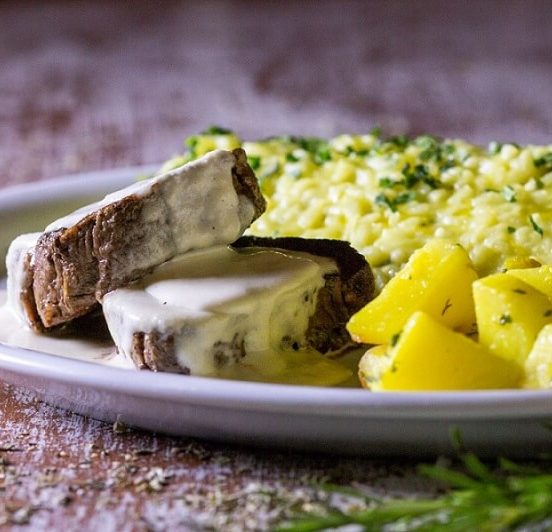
544	162
216	130
387	182
393	203
349	150
448	304
511	229
418	174
395	339
431	148
399	141
191	143
536	227
547	313
505	319
494	147
317	147
382	199
254	161
291	158
519	291
376	132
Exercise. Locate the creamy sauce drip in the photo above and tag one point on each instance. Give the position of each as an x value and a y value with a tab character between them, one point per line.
307	367
192	180
207	299
17	278
92	345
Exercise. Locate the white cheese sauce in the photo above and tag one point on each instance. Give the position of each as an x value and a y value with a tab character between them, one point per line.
223	308
206	181
92	344
301	368
17	274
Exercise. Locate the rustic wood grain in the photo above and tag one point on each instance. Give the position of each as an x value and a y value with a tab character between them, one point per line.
88	86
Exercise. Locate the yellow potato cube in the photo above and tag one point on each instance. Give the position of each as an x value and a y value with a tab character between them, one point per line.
429	356
437	279
539	278
510	314
538	367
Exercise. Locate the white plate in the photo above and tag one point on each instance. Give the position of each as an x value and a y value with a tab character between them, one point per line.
343	420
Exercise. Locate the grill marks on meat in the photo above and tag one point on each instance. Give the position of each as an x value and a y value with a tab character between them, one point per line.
72	268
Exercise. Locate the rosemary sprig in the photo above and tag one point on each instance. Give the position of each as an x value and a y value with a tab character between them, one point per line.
512	499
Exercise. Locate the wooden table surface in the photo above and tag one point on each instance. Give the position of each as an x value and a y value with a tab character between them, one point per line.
89	86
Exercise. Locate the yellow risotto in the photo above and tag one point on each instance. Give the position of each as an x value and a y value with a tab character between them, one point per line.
388	196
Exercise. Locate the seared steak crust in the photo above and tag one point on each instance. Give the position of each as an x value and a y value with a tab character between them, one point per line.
72	268
343	294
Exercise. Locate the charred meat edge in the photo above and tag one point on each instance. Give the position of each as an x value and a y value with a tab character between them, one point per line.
344	293
73	268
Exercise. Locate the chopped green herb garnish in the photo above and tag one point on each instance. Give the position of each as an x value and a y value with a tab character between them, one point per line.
376	131
511	229
360	153
191	143
509	194
544	162
548	313
216	130
519	291
395	339
504	319
536	227
404	198
291	158
322	155
393	203
318	148
494	147
432	149
387	182
448	304
400	141
450	163
382	199
420	173
254	161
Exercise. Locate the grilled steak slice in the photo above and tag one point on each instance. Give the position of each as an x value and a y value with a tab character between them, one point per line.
201	312
106	245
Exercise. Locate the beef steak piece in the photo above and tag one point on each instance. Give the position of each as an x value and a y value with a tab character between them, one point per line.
106	245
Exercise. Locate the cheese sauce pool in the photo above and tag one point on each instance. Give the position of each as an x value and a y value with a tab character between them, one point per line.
390	196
